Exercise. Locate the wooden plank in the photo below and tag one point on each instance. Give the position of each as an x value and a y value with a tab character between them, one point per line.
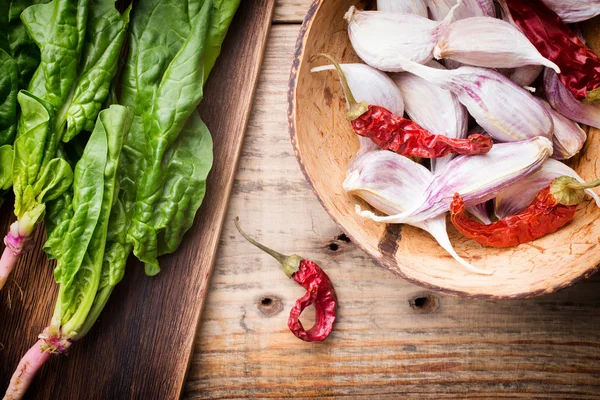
290	11
386	344
141	345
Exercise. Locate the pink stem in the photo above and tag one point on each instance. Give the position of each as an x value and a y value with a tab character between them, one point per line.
10	255
26	370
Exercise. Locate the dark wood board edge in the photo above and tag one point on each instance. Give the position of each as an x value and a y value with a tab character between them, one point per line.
141	346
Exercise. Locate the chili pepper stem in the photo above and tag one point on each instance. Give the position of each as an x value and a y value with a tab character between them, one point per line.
356	109
290	264
569	191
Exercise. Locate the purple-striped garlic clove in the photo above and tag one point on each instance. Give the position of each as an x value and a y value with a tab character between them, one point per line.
506	111
416	7
476	178
488	42
381	38
435	109
563	101
571	11
568	138
469	8
392	183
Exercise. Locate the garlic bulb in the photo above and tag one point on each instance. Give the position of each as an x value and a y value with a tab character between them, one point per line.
563	101
469	8
434	108
519	195
380	38
571	11
417	7
506	111
488	42
373	87
476	178
568	136
393	183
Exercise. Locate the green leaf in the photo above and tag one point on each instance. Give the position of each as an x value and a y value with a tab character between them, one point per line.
223	12
105	35
6	160
29	150
80	261
58	28
8	98
161	112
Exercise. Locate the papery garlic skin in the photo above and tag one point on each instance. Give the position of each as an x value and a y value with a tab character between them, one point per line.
380	38
476	178
526	75
469	8
416	7
393	183
519	195
373	87
506	111
435	109
571	11
568	137
563	101
488	42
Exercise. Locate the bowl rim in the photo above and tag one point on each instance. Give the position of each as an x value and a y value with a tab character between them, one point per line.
386	261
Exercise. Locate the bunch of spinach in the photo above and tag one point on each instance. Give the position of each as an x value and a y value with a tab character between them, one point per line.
142	175
80	42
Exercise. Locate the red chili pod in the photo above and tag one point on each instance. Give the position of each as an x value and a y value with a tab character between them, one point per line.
320	292
553	207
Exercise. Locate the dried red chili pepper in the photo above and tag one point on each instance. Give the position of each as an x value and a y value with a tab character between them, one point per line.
580	67
553	207
320	292
401	135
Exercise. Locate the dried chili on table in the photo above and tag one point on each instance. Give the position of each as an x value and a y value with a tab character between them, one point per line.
401	135
580	67
320	292
553	207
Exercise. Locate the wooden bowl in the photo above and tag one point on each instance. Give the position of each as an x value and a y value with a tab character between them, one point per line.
325	144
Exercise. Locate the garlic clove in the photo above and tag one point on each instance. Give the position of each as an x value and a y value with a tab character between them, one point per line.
435	109
392	183
469	8
568	136
380	38
519	195
506	111
476	178
571	11
417	7
481	212
488	42
526	75
565	103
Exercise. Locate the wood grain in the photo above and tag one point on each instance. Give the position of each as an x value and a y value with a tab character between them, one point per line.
140	347
384	345
290	11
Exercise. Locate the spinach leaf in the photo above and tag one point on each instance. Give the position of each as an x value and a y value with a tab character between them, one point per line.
223	11
106	31
37	175
162	82
8	98
80	261
6	159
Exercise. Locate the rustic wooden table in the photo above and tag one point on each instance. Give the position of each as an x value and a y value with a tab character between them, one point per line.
392	339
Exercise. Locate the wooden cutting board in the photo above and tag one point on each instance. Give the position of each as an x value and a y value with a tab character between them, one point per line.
140	347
